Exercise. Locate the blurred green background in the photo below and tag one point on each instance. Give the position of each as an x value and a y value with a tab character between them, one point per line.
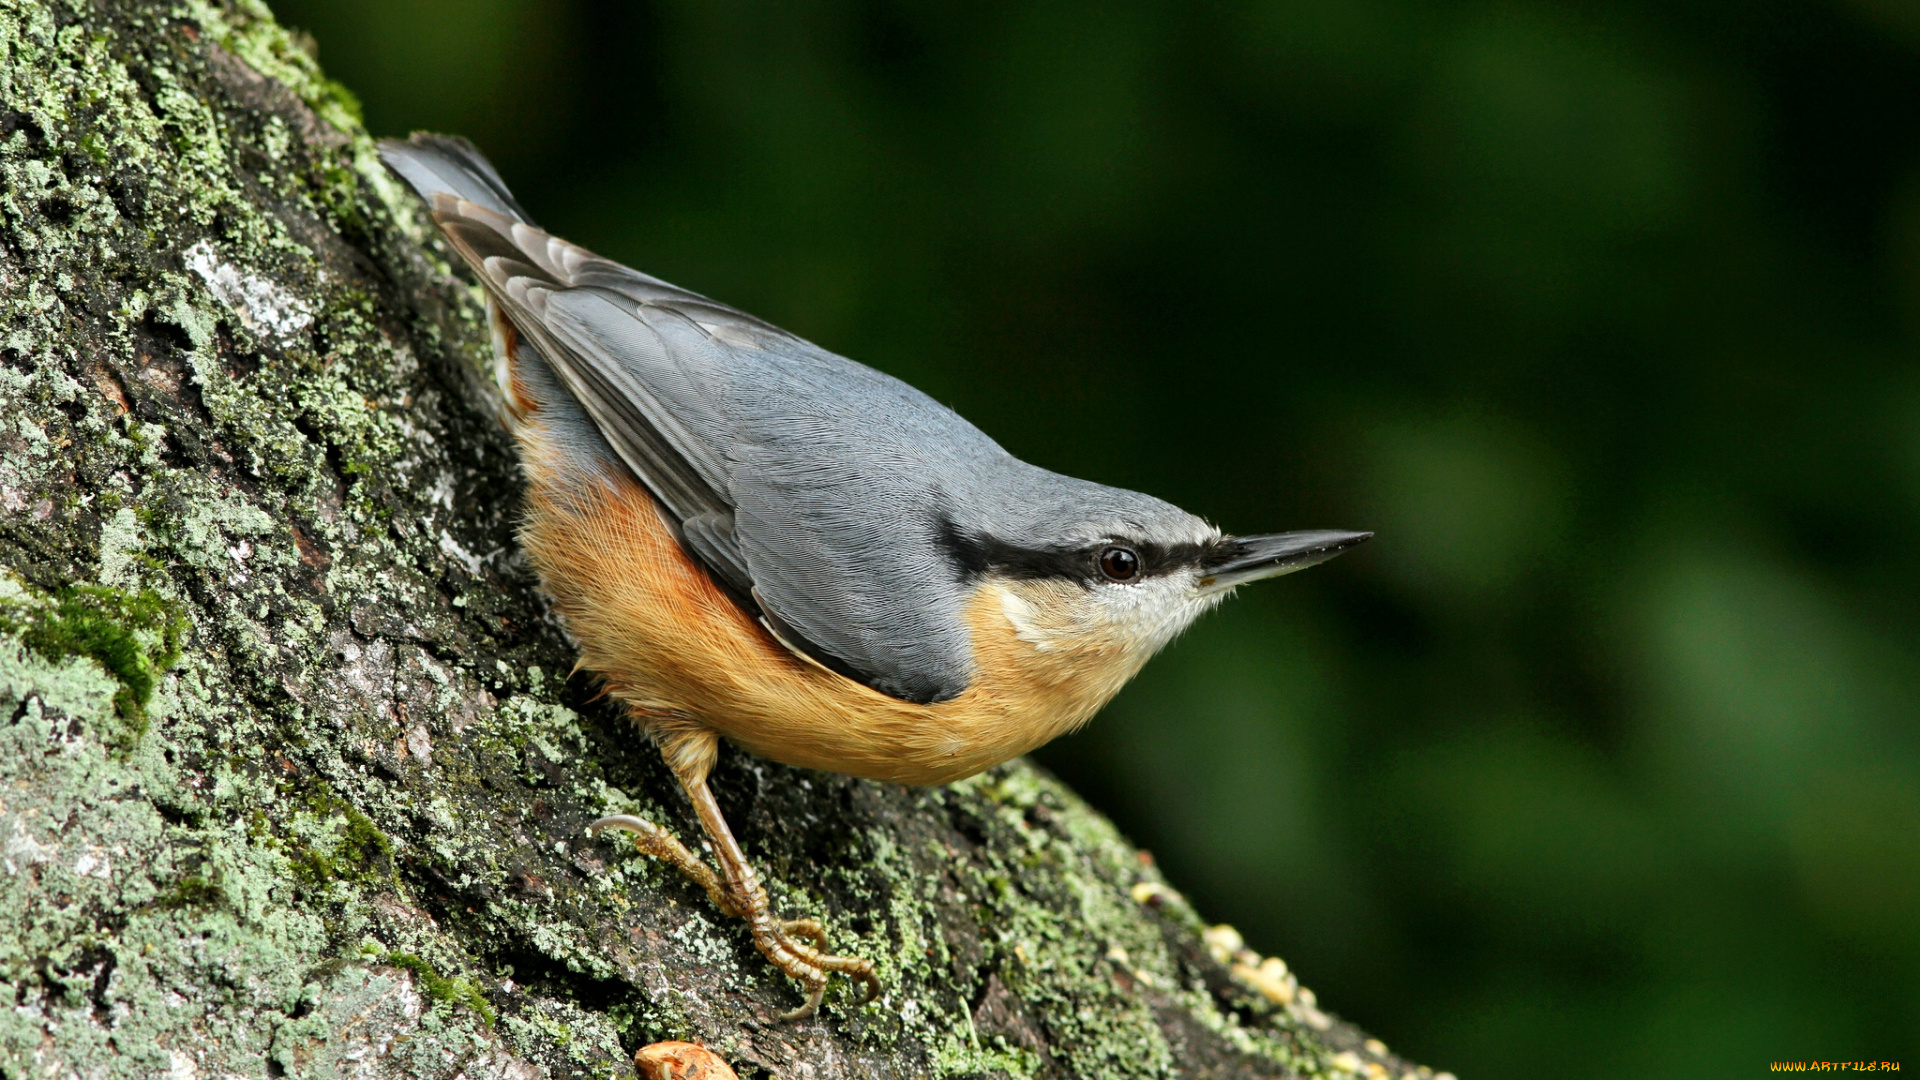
1604	758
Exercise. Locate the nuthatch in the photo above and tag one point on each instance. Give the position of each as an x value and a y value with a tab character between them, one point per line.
752	538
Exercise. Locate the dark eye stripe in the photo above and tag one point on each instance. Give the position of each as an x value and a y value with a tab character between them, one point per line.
975	555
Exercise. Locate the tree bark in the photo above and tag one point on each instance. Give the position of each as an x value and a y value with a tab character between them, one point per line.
293	779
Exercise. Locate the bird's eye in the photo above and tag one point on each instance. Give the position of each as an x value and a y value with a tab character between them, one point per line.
1119	563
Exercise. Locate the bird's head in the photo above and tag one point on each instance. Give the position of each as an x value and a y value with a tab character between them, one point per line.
1124	574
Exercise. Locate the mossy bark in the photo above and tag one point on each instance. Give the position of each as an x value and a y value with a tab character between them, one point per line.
293	778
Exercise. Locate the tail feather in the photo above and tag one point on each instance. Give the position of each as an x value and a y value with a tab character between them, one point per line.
447	164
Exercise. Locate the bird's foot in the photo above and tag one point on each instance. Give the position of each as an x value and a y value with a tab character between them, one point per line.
798	947
809	965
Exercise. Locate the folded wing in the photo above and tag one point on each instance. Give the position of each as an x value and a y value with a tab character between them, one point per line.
797	477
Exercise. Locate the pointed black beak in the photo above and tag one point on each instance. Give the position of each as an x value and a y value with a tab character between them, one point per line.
1241	559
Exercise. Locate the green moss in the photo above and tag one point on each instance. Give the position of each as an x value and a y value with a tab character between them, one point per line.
192	890
337	188
135	636
344	102
311	867
363	836
344	846
454	991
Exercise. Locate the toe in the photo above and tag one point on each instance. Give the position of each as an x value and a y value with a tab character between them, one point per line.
808	929
816	989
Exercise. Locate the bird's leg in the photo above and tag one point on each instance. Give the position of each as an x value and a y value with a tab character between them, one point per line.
736	889
775	937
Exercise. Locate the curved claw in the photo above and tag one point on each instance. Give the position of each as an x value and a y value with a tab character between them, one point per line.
873	986
623	822
815	991
856	968
653	840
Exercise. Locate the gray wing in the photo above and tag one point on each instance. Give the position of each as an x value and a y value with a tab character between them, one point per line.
798	477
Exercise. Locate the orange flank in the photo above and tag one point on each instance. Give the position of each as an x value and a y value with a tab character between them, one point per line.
669	643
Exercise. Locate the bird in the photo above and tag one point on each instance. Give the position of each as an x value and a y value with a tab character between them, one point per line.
750	538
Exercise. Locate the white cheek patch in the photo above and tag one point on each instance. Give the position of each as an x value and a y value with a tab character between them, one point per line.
1140	618
1154	612
1026	626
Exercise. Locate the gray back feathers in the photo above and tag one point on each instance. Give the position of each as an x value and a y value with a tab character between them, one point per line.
820	490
